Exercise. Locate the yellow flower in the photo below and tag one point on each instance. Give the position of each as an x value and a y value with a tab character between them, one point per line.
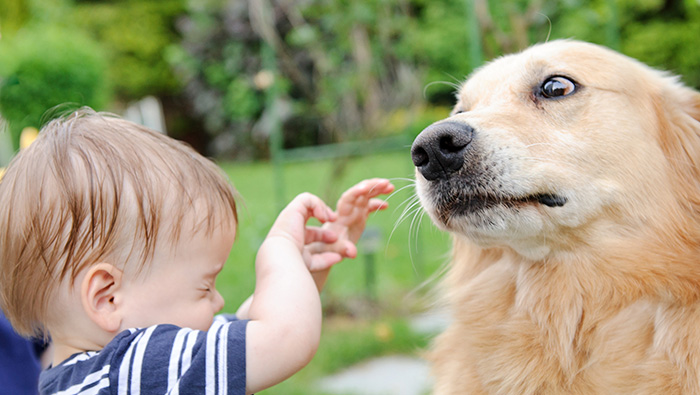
383	332
29	134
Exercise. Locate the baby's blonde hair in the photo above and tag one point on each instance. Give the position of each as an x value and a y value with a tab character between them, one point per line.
95	187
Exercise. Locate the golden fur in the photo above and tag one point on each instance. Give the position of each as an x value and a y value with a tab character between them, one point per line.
598	292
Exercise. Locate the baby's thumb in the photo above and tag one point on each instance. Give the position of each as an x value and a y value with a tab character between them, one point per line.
324	261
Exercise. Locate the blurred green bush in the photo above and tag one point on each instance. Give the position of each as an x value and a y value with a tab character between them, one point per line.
44	68
134	36
343	70
327	71
666	37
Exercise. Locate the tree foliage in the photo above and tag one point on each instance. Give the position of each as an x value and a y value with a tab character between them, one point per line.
337	68
343	67
230	71
44	68
664	34
134	35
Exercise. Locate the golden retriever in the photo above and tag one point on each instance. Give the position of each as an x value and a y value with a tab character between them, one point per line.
569	178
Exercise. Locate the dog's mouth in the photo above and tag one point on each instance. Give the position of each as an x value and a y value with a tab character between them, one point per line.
477	203
549	199
450	204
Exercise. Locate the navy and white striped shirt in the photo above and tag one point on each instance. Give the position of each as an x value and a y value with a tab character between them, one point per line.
161	359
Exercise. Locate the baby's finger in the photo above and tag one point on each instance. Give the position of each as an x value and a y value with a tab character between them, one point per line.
385	187
379	186
314	234
376	205
324	261
369	188
358	194
344	248
350	250
315	207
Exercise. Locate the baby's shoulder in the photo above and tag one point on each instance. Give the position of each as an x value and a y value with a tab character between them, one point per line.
157	357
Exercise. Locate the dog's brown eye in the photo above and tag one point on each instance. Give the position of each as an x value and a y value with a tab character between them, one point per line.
555	87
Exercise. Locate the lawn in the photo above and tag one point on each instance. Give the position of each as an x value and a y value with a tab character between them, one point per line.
368	300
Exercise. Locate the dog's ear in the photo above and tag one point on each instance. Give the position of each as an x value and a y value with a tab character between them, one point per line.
678	112
678	115
695	108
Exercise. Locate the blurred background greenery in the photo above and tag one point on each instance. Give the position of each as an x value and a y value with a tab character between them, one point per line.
308	95
342	70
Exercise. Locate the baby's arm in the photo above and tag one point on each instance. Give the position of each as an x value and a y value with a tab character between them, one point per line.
285	310
285	326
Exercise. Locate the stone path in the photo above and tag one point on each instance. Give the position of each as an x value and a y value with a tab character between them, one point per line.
389	375
392	375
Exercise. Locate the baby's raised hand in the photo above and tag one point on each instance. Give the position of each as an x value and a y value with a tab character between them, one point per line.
291	222
354	207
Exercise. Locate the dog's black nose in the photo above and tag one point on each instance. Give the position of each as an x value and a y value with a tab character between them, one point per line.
439	149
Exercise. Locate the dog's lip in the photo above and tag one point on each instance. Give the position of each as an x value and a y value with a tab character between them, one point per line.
476	202
546	199
479	204
550	199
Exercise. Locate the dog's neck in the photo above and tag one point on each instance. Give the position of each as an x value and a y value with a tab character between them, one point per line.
568	297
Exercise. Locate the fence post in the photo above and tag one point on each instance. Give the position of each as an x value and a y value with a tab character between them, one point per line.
475	52
276	139
612	28
369	244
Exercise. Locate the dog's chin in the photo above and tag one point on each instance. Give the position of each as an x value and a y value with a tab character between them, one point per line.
488	220
516	224
478	213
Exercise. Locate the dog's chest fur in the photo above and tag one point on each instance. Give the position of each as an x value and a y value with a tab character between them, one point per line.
522	329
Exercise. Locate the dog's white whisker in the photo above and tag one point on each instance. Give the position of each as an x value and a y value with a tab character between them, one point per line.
403	188
542	143
549	21
410	204
456	85
543	160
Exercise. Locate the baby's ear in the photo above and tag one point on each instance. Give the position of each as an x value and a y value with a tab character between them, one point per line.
97	293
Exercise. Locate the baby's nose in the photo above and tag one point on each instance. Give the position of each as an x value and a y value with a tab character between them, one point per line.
218	301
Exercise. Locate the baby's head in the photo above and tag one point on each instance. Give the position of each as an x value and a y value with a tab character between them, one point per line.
94	212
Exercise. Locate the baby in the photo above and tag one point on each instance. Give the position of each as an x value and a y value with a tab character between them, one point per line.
111	239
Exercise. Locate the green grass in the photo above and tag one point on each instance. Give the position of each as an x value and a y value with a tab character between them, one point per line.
361	319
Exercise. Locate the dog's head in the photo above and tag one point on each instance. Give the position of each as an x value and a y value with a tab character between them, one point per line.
559	146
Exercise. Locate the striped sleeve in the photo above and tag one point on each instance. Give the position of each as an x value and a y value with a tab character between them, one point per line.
166	359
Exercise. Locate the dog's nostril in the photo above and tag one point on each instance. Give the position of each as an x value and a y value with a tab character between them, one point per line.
449	144
419	156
